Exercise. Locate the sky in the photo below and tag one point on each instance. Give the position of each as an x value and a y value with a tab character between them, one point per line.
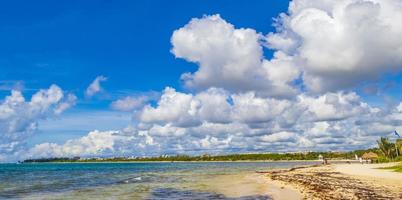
145	78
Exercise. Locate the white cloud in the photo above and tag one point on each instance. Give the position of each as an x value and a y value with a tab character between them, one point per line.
331	45
283	136
332	106
95	86
230	58
219	106
399	107
69	102
129	103
322	49
314	125
340	44
210	142
172	107
248	108
183	122
19	118
95	143
166	130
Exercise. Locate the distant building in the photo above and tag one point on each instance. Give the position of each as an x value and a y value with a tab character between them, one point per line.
370	156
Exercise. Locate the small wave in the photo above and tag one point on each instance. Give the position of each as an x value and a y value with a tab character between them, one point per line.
132	180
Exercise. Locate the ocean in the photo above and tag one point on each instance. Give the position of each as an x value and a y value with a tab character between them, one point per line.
178	180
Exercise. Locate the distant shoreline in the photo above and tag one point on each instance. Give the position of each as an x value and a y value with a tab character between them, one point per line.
249	157
237	161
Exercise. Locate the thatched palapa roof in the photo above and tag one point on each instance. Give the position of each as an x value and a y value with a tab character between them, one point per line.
370	155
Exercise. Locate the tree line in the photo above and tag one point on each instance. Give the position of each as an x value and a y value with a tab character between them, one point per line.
207	157
391	151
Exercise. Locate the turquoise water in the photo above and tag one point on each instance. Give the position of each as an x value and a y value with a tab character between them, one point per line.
122	180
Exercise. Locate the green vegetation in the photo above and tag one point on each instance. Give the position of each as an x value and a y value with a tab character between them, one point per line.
396	168
387	148
62	159
390	151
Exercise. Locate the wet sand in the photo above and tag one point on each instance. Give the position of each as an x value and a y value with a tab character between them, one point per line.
252	184
342	181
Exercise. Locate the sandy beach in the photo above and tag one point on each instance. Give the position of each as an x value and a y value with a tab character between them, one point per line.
335	181
341	181
252	185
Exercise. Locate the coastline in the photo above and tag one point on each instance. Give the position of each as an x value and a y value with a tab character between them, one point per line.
217	161
296	181
340	181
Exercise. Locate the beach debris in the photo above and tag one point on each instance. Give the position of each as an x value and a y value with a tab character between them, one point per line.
325	183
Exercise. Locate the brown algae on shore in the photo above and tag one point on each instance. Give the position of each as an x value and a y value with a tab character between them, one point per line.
324	182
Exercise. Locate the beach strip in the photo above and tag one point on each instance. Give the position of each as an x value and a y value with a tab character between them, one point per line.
341	181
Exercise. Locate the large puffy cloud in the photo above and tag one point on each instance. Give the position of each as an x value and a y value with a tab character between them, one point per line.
231	58
339	44
333	106
325	47
19	118
172	107
182	122
322	49
95	143
248	108
332	121
219	106
330	45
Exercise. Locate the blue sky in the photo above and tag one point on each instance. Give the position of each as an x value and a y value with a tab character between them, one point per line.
127	41
69	43
318	77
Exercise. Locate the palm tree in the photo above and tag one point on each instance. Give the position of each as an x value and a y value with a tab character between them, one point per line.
386	147
398	145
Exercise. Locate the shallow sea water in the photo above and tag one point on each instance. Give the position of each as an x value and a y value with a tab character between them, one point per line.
150	181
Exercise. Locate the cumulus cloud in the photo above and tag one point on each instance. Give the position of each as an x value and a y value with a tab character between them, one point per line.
220	106
95	86
330	45
95	143
129	103
231	58
215	120
333	106
19	118
332	121
340	44
300	99
283	136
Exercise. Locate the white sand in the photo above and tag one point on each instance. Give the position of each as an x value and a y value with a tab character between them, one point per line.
372	171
